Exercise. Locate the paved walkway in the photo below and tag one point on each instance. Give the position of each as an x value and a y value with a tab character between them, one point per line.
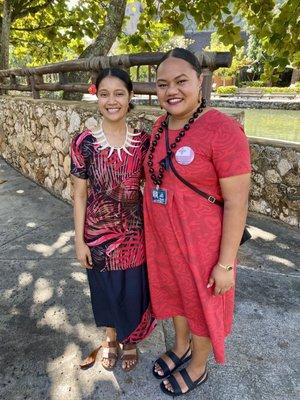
46	322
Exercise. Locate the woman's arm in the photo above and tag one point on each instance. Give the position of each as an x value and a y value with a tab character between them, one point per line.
235	191
80	199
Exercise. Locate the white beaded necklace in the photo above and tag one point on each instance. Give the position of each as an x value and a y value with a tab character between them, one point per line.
104	143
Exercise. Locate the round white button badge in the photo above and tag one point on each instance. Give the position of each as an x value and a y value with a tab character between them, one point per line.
185	155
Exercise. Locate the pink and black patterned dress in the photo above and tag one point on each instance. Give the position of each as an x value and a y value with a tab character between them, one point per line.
114	232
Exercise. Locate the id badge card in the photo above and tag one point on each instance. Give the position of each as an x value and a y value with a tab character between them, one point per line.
159	196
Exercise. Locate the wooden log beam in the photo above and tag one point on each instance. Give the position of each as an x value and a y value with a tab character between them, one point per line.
211	60
19	88
138	87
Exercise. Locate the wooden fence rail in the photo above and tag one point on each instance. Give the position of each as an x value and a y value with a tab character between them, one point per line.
35	76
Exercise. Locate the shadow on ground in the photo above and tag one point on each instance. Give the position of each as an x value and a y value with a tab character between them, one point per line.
46	321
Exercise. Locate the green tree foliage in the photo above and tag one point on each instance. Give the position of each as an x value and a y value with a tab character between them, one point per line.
51	31
274	24
56	32
239	60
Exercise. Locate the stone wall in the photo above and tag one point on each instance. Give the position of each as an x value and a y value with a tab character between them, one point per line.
275	186
264	102
35	137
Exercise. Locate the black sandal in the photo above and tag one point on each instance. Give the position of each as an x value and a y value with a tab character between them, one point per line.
176	360
189	383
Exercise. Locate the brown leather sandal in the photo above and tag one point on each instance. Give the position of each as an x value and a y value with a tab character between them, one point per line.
111	357
89	361
129	357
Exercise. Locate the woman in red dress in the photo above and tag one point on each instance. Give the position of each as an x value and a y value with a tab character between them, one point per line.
191	243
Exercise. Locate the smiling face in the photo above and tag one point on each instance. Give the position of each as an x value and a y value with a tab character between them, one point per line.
178	87
113	98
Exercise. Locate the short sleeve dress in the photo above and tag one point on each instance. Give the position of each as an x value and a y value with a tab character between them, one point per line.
183	236
114	233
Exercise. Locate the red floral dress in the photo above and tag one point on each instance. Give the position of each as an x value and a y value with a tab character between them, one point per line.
114	233
183	236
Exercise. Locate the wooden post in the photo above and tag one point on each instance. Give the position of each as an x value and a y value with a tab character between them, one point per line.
35	93
207	84
149	80
13	80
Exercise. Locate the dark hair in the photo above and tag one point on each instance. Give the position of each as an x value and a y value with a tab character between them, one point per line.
185	55
117	73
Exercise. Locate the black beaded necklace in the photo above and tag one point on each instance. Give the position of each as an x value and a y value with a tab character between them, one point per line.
157	179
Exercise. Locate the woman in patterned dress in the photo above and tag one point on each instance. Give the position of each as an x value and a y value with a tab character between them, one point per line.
191	243
108	222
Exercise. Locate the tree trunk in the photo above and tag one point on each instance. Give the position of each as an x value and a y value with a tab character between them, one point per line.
5	31
103	42
295	76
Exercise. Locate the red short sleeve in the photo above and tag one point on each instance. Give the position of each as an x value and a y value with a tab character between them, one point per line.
230	149
78	162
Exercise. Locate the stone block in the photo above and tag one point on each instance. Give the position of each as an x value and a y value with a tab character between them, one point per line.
74	123
57	143
273	176
67	164
284	166
54	159
44	121
52	174
256	191
292	179
47	148
272	194
48	183
291	219
60	159
90	123
260	206
289	154
259	179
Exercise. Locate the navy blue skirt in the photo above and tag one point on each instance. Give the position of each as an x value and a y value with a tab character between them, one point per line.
121	300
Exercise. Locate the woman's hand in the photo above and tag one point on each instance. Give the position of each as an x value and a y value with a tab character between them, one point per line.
222	279
83	255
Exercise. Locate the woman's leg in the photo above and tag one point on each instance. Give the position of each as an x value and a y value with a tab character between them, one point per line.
107	360
181	345
201	350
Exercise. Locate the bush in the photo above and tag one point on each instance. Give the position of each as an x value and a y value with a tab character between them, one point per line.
286	90
226	90
265	89
297	85
254	84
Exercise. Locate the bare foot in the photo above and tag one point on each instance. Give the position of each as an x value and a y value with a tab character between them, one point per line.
129	357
